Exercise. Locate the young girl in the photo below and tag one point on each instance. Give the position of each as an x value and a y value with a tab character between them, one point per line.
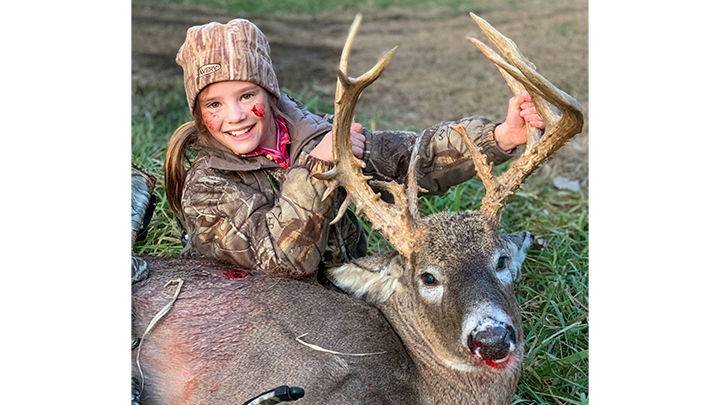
250	197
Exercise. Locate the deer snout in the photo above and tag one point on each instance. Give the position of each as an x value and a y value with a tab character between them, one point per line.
493	341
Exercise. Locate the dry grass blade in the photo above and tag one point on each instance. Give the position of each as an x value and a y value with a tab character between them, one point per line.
321	349
153	322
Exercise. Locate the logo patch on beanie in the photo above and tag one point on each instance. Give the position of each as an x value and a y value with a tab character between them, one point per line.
207	69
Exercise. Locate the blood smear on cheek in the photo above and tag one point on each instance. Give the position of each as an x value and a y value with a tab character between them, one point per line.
258	110
210	120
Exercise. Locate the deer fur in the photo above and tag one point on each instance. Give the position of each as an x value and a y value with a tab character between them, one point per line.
226	340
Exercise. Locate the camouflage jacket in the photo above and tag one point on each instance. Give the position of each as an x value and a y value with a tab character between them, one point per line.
251	212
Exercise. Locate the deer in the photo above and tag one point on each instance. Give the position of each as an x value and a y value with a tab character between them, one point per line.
434	321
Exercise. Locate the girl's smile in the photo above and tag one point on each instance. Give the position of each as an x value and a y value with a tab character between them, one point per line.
234	114
239	135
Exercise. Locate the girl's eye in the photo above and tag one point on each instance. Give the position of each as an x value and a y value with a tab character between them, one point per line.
428	278
214	104
501	262
247	96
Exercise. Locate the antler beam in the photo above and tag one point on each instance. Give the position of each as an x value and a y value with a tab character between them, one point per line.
398	221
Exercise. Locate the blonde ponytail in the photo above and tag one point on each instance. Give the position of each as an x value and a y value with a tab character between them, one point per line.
175	164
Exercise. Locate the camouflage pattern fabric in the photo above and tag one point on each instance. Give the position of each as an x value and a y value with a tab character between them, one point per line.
252	213
444	158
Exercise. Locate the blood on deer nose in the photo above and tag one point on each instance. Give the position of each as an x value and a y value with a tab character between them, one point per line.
492	341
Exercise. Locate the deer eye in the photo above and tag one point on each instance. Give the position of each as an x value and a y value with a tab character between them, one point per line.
501	262
428	278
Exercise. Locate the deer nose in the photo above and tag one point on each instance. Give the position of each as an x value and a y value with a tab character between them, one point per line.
493	341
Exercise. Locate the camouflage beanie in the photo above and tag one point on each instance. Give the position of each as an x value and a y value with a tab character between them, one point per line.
217	52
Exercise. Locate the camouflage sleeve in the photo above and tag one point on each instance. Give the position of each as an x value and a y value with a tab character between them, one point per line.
444	159
236	223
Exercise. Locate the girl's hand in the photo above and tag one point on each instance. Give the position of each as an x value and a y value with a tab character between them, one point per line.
512	132
324	150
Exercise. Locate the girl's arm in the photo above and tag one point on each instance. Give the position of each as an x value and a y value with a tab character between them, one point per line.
444	159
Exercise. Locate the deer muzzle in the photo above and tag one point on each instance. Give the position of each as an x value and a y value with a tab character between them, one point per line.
493	341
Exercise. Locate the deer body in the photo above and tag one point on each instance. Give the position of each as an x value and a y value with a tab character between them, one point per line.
226	339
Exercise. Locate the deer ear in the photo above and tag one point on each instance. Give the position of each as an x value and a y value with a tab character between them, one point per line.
517	245
372	278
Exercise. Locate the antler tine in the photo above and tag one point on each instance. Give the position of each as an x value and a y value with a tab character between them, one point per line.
534	134
345	55
523	71
561	113
514	72
398	221
494	200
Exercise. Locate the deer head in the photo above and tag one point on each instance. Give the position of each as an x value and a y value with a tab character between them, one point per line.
448	288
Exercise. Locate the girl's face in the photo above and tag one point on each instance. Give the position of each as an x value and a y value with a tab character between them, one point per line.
237	114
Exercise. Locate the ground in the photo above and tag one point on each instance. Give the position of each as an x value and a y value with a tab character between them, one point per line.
435	75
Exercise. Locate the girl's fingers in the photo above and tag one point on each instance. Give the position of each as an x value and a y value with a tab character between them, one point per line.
358	140
537	124
358	149
534	120
357	136
517	101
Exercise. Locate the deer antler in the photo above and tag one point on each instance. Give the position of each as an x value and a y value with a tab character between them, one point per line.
561	113
398	221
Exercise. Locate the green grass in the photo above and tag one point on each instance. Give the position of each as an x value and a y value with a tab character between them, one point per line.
553	294
156	113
